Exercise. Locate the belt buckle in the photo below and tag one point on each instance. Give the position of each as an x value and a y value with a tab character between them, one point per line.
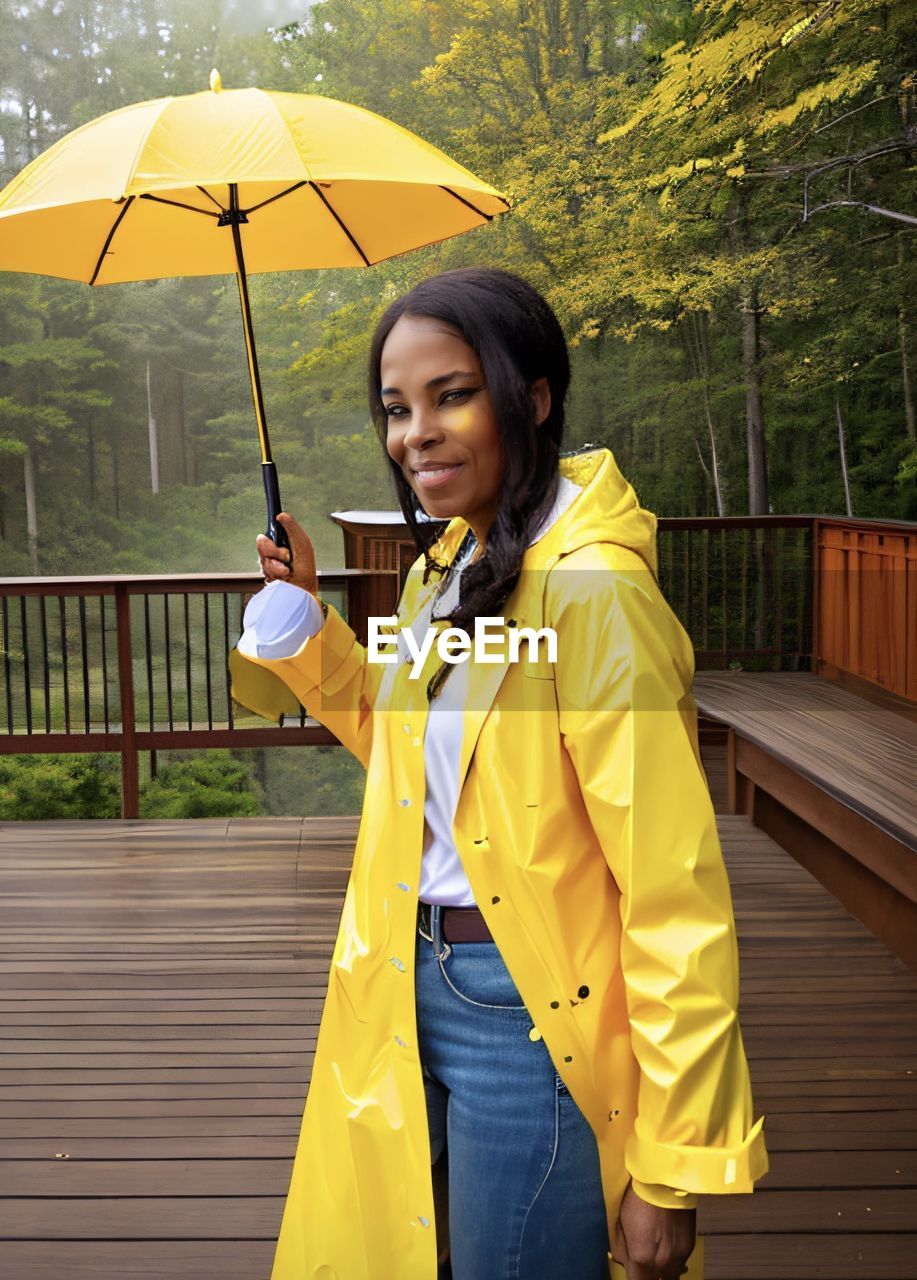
423	919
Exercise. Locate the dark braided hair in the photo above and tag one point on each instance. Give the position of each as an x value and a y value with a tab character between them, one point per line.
517	339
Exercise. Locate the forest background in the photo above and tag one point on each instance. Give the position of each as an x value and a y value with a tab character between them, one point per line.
716	198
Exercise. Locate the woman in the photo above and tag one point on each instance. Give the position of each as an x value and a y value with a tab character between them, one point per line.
535	981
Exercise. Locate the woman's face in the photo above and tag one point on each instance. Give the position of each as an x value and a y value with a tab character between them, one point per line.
442	431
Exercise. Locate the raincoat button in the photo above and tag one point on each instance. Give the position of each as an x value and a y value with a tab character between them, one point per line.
404	803
555	1004
424	1222
401	885
583	992
495	901
406	728
534	1034
399	964
568	1059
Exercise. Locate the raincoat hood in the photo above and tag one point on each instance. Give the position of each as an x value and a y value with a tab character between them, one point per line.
607	510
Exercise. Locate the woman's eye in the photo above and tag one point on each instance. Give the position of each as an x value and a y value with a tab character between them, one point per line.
462	392
393	410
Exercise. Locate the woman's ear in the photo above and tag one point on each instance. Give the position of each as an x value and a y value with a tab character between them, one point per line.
541	397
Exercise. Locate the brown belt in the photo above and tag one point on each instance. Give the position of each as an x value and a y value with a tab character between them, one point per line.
460	924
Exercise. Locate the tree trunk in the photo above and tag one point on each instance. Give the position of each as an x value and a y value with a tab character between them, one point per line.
154	443
31	516
91	459
758	503
187	447
115	477
843	448
699	354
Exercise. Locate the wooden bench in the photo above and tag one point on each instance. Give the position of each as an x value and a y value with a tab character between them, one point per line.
832	777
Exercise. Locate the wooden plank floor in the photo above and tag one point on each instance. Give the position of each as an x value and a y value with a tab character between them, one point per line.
161	987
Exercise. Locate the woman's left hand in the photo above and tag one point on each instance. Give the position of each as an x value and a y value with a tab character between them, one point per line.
650	1242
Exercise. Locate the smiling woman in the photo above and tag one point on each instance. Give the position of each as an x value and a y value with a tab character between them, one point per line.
529	1053
441	430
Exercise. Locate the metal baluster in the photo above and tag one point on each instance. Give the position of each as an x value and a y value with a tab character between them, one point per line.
148	643
7	670
226	650
777	552
105	710
26	672
168	648
206	598
705	593
85	657
45	660
188	658
62	608
725	593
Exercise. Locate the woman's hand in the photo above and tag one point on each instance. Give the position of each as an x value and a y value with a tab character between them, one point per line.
275	561
650	1242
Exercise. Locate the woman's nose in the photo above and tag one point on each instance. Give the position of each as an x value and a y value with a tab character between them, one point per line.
423	428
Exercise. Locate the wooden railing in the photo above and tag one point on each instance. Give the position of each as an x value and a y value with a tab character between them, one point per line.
741	587
866	620
137	664
131	664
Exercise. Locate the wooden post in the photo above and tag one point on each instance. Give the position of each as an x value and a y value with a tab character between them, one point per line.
130	761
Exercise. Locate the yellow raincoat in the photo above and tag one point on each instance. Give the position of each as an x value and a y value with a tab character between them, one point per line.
586	830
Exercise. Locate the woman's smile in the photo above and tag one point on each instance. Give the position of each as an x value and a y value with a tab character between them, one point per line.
430	477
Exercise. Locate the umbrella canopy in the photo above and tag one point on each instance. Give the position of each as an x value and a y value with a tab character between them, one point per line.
144	191
236	180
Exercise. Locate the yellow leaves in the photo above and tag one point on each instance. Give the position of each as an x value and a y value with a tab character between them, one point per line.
849	81
805	24
796	30
736	171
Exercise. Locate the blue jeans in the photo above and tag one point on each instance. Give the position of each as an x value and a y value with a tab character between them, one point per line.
525	1188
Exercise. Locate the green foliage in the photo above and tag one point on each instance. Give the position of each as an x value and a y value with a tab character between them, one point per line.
199	784
41	787
211	784
308	781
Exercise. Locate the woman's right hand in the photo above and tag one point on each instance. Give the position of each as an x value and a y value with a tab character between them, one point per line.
275	561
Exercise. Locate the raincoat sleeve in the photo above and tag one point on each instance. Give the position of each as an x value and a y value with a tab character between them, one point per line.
624	671
328	674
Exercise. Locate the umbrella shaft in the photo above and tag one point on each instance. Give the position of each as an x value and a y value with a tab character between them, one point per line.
250	350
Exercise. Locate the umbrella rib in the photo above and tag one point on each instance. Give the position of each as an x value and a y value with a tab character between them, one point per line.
178	204
278	196
111	235
474	209
205	192
329	207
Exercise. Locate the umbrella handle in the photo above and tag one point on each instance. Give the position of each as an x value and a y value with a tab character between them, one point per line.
275	531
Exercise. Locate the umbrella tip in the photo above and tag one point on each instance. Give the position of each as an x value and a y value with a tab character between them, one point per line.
216	81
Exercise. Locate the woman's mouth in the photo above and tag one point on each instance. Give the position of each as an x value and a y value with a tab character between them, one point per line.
436	477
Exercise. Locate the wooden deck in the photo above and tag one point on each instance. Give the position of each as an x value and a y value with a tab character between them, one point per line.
830	775
162	985
859	753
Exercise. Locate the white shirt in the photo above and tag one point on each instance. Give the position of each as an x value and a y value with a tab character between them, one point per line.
281	618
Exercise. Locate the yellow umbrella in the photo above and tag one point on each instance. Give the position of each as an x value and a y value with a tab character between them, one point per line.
236	180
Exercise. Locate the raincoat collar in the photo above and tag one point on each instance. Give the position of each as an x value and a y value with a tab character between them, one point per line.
606	510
